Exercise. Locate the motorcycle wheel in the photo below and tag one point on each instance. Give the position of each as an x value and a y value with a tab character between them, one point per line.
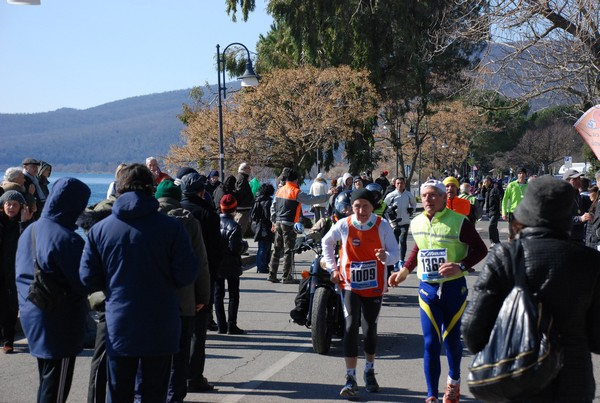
323	319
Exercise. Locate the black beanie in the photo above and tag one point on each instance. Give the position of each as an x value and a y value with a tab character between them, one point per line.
292	175
547	203
362	193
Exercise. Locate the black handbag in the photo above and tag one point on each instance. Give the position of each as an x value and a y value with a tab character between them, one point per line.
47	292
523	354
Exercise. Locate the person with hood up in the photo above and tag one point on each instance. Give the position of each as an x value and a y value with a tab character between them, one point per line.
140	273
55	338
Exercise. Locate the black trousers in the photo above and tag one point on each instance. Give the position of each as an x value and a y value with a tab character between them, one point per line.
362	312
55	379
98	378
198	353
178	381
122	372
493	228
233	288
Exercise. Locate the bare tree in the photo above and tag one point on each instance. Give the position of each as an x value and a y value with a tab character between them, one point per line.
541	148
539	50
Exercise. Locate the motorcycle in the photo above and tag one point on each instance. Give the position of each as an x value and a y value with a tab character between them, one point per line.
318	303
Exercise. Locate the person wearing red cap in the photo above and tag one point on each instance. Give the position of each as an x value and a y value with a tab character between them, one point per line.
230	269
383	180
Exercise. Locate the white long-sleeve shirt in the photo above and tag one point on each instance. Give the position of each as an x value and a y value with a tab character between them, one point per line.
339	232
404	200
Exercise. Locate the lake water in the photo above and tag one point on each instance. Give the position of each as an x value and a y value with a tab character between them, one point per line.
99	183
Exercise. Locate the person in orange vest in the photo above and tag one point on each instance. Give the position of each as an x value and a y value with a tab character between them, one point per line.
285	212
368	245
454	202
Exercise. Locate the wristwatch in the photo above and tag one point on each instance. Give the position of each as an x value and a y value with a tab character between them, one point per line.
462	267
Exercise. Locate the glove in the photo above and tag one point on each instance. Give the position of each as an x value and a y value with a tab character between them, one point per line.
410	210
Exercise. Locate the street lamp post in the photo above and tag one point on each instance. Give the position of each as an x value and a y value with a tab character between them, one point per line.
249	79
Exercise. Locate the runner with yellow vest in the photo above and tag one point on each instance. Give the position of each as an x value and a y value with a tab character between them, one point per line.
447	246
368	244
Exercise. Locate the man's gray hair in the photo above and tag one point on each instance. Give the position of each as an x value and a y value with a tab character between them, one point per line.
242	166
597	176
150	159
12	173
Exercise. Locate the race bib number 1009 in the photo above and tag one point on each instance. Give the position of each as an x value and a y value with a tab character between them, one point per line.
431	260
363	275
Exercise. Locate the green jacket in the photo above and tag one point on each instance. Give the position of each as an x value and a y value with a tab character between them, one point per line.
512	196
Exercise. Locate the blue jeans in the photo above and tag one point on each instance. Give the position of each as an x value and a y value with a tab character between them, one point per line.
263	254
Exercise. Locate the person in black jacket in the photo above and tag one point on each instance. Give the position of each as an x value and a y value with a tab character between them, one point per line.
244	196
230	268
493	207
261	221
225	188
564	274
15	216
193	187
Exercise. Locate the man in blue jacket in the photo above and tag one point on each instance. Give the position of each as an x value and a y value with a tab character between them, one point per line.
139	258
55	337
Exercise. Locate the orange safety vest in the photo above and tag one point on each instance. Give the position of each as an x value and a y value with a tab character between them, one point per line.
461	206
362	273
287	207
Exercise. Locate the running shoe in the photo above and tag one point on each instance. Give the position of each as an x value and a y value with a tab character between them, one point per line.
371	384
452	394
431	399
350	389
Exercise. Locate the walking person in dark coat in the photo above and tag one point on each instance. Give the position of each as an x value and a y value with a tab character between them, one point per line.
261	220
230	268
566	278
56	337
493	208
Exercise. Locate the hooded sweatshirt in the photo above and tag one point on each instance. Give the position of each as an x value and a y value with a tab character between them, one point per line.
58	248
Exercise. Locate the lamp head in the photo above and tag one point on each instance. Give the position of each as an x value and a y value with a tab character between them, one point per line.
249	78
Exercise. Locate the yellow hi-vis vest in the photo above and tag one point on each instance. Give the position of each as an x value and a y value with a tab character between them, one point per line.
442	232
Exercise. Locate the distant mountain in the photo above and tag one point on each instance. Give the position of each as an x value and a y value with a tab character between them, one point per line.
95	139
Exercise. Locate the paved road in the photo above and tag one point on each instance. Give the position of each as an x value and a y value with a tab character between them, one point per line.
275	361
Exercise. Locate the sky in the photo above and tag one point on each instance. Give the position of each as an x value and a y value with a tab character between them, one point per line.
84	53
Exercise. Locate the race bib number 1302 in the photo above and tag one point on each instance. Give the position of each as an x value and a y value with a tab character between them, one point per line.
431	260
